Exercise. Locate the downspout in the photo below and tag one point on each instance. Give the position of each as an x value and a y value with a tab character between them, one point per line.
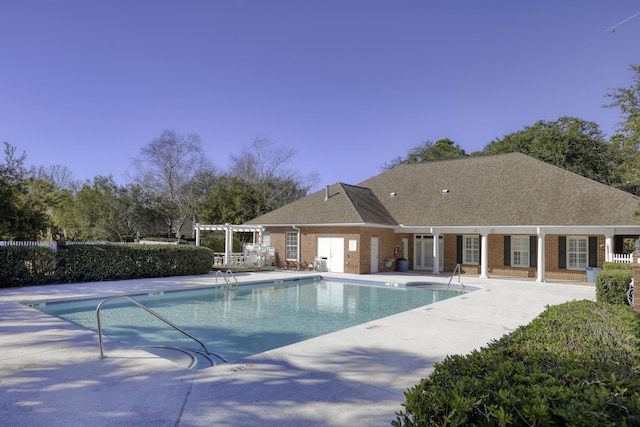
298	249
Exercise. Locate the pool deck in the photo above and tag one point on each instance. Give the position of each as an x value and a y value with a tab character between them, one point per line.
51	374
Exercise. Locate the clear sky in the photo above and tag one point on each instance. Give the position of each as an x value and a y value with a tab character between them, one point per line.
347	84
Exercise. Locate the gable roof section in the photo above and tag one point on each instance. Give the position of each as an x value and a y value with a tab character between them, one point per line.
346	204
508	189
501	190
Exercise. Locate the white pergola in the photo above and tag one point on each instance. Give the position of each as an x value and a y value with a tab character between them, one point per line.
229	229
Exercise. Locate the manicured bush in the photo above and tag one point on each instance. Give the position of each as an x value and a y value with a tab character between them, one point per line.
616	266
612	285
85	263
576	364
26	265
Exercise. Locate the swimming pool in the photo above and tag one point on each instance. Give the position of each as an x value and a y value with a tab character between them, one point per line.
241	321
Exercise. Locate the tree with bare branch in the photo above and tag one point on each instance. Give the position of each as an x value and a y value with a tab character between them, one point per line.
266	168
172	167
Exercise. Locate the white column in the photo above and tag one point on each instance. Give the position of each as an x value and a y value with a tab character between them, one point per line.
228	243
540	257
436	253
484	256
197	234
608	248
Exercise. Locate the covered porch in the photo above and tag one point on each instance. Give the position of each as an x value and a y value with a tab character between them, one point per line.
608	247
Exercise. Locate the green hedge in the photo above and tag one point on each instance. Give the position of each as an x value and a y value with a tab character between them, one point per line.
612	284
88	263
616	266
576	364
26	265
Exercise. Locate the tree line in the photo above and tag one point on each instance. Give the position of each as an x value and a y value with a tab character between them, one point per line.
172	181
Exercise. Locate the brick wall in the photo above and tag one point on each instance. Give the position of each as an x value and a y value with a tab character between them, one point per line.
553	272
495	259
356	262
359	261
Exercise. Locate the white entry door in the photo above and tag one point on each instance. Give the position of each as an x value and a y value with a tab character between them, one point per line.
374	255
332	248
424	255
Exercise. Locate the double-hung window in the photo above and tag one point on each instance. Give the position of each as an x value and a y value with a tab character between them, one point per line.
266	238
291	245
577	252
520	251
471	250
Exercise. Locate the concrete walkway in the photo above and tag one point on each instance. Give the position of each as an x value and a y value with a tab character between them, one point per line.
51	374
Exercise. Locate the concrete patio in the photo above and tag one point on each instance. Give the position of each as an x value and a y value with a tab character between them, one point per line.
51	374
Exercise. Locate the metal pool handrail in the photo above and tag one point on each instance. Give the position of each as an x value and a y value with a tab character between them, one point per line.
148	310
219	272
457	269
228	274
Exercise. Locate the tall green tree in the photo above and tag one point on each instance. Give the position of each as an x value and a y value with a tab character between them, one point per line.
628	139
232	201
23	213
104	210
570	143
85	216
428	151
628	101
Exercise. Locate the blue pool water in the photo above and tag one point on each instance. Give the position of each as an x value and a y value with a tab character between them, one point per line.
250	319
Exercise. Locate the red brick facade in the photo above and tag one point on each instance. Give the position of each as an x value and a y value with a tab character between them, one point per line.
358	260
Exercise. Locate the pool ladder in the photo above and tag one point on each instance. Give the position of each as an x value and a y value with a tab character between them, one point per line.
156	315
226	275
455	270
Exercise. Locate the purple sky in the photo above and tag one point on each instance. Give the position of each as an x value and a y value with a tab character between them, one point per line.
347	84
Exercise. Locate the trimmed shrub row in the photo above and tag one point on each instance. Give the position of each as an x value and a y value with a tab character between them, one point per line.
612	283
24	266
576	364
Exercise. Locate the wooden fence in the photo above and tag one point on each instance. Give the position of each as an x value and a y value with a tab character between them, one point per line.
54	244
621	258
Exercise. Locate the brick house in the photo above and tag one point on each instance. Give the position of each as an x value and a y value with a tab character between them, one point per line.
506	215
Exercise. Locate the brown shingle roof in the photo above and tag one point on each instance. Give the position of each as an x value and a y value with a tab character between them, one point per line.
509	190
346	204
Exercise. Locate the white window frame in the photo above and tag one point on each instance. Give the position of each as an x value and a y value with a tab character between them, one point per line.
471	250
266	238
291	246
520	256
577	252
